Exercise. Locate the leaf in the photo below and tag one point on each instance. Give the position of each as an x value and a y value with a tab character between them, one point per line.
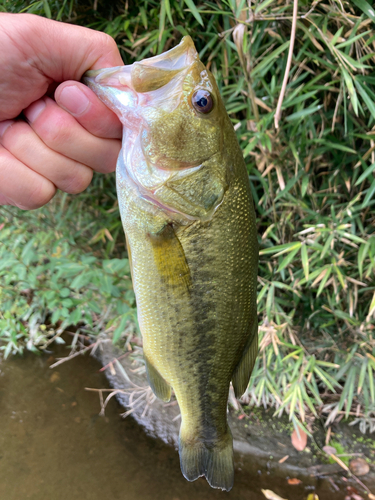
193	9
305	261
280	249
294	481
270	300
365	174
47	9
303	112
351	90
365	8
81	280
270	495
269	59
120	329
168	10
350	41
369	102
161	20
369	195
288	259
299	439
335	145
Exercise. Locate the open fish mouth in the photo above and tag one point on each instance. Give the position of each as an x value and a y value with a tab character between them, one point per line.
148	75
165	140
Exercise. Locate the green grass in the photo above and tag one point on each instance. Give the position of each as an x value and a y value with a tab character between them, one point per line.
313	182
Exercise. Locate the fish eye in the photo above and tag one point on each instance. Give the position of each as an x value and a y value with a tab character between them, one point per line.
202	101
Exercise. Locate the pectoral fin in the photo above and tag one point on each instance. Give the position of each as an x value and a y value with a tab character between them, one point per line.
159	386
170	258
242	373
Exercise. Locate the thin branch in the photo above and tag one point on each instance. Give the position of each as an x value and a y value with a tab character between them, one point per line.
78	353
288	64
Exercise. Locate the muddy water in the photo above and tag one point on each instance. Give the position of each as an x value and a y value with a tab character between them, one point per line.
55	446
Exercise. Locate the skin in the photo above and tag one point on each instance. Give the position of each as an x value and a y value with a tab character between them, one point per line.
54	131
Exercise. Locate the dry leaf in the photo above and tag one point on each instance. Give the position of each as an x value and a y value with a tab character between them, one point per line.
294	480
359	466
299	439
54	377
270	495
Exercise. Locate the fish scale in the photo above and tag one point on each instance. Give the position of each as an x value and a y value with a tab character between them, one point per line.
192	245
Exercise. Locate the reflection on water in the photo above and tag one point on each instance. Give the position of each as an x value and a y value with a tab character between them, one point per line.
55	446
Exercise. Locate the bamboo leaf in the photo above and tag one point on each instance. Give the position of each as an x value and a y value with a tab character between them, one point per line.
288	259
193	9
305	261
365	8
269	59
369	195
168	11
369	102
365	174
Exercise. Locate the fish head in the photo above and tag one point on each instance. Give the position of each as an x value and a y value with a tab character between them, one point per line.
173	119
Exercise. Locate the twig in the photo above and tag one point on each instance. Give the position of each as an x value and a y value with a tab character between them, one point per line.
346	468
78	353
114	359
288	64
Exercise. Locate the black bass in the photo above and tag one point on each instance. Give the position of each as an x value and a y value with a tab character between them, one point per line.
188	215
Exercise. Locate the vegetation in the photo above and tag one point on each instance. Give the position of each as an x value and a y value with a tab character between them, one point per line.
313	185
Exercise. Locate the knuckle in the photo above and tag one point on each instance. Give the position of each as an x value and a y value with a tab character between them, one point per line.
39	196
109	41
56	134
79	181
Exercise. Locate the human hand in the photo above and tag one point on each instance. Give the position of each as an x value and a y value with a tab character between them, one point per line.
61	142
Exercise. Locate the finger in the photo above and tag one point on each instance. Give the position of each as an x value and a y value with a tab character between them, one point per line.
24	144
61	51
5	201
21	186
62	133
88	110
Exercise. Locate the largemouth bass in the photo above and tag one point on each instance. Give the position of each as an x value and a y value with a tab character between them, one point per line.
189	220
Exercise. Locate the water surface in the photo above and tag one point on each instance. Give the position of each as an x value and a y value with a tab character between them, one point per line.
55	446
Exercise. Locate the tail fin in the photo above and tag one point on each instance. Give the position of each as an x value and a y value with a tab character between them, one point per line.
214	461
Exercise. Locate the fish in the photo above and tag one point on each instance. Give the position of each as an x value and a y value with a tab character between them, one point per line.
189	220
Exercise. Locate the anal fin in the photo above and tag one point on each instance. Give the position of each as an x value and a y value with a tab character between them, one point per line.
159	386
242	373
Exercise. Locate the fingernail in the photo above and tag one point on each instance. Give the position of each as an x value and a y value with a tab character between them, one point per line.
4	125
33	111
73	100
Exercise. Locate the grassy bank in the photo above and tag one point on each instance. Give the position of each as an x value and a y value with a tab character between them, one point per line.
313	185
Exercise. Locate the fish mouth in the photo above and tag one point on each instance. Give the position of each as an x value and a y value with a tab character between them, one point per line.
137	93
148	75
